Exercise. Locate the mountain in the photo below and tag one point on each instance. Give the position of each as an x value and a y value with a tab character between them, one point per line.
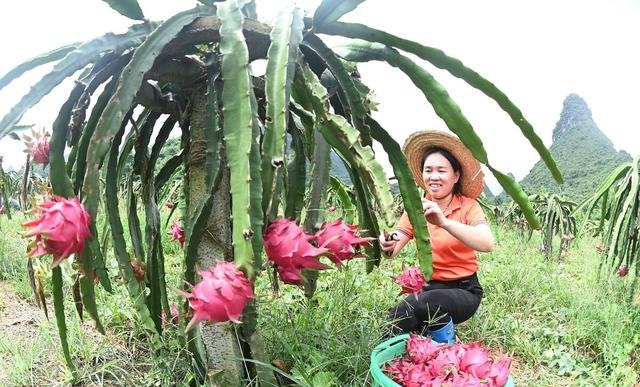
583	153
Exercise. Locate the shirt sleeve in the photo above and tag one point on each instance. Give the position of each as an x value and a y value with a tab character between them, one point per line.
404	225
475	214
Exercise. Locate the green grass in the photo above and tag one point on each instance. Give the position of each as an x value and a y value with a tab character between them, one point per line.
563	324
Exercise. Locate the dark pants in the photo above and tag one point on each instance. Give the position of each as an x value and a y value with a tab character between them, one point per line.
431	308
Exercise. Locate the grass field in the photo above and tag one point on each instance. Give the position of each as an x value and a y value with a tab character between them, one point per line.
564	322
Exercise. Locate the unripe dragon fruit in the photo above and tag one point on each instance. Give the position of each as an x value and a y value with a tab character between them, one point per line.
341	240
221	295
177	233
288	248
38	146
61	229
411	279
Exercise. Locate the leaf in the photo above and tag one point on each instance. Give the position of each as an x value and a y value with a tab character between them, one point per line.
237	128
120	103
457	69
282	55
82	56
39	60
128	8
58	305
331	10
410	195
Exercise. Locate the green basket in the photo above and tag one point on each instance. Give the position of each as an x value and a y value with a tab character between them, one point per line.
391	349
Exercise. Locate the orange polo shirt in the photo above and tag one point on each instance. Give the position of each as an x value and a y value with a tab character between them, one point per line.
452	259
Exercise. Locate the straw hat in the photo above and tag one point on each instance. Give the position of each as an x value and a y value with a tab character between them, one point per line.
471	181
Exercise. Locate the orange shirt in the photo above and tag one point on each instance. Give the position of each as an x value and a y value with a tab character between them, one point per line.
452	259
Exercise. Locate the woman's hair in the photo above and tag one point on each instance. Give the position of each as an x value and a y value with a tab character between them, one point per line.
455	164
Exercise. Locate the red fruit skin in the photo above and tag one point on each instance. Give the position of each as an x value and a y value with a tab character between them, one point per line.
289	249
220	296
177	233
411	279
61	229
341	240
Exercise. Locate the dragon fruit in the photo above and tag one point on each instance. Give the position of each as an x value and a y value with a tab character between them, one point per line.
289	249
411	279
623	270
175	316
427	363
341	240
177	233
38	146
61	229
221	295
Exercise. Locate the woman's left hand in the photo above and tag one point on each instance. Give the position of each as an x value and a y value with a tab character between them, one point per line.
433	213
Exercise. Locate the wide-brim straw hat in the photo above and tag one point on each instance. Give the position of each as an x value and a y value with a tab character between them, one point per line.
472	178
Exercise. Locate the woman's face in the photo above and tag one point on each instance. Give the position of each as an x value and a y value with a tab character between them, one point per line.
438	176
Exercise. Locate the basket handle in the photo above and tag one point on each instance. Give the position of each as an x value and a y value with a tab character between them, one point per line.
390	342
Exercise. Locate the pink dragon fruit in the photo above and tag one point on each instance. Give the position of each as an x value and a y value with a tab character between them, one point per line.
221	295
169	204
429	364
177	233
61	229
623	270
175	315
421	349
411	279
38	146
288	248
341	240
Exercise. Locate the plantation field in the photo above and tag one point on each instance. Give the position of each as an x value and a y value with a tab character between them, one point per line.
563	322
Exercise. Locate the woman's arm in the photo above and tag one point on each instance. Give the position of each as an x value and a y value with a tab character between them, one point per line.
478	237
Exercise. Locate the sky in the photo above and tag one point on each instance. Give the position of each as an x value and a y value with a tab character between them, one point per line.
536	51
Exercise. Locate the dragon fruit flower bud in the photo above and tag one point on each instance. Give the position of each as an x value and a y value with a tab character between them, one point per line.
38	146
177	233
289	249
220	296
411	279
61	229
341	240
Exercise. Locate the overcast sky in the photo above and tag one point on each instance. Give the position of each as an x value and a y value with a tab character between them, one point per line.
537	52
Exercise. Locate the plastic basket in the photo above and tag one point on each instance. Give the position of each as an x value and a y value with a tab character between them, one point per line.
388	350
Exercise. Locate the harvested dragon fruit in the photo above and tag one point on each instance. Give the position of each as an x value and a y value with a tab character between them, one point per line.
61	229
430	364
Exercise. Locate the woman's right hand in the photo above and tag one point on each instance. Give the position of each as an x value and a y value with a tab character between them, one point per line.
388	242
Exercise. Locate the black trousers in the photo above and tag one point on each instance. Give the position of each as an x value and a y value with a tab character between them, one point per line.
431	308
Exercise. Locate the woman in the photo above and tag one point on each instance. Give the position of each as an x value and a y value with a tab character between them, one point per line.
452	179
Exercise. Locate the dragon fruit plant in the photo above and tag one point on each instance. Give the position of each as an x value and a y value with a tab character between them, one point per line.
61	230
237	148
220	296
430	364
38	146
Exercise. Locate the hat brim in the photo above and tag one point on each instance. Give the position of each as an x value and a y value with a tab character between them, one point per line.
472	179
